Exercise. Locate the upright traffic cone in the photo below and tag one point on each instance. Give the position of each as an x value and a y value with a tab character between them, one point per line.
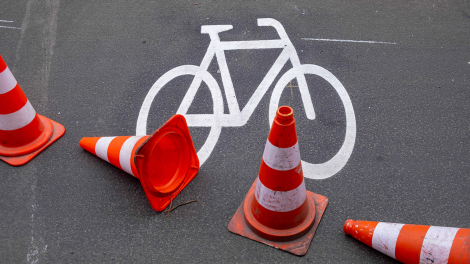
23	133
413	243
278	211
164	162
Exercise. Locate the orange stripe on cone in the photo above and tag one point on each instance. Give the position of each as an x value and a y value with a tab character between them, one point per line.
3	65
460	252
114	150
13	100
414	243
15	142
409	243
278	211
164	162
23	133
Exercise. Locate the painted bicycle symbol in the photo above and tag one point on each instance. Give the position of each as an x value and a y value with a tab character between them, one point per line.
237	117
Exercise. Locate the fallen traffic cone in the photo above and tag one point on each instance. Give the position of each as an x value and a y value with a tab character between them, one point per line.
164	162
278	211
413	243
23	133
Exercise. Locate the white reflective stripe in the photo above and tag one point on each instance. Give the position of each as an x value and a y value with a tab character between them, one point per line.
437	244
126	153
18	119
101	147
278	201
282	159
7	81
385	237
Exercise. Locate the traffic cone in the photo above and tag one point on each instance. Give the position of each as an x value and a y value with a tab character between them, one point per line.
413	243
23	133
164	162
278	211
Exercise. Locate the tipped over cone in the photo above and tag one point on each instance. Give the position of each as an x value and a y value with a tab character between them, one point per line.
23	133
164	162
278	210
413	244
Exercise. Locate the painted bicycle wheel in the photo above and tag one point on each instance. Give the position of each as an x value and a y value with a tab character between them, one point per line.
338	161
193	120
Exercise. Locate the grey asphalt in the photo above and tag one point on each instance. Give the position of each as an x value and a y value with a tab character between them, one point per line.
89	65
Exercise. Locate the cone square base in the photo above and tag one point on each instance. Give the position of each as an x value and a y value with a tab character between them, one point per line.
58	131
298	246
175	129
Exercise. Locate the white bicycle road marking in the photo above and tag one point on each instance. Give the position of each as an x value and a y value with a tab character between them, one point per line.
350	40
237	117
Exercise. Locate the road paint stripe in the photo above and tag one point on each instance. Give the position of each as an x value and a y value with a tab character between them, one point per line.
437	244
18	119
101	148
7	81
6	21
125	154
385	237
10	27
278	201
354	41
281	159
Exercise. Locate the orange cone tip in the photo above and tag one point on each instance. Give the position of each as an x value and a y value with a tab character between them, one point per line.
278	210
23	133
413	244
164	162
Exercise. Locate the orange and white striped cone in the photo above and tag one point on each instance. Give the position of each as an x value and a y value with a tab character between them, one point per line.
164	162
278	210
413	244
23	133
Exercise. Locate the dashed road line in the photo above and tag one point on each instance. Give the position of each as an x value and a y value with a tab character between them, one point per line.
7	21
349	40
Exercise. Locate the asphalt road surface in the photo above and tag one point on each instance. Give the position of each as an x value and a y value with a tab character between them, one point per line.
89	65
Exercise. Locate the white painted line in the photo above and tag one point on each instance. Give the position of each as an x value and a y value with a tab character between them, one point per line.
6	21
349	40
281	159
437	244
385	237
280	201
9	27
